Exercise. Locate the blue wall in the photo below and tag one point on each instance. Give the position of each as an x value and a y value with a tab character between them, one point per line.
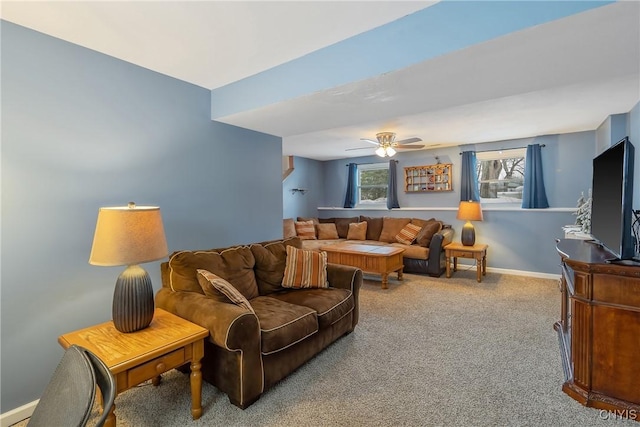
633	130
81	130
306	174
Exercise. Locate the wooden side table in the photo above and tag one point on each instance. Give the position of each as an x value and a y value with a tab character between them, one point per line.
133	358
458	250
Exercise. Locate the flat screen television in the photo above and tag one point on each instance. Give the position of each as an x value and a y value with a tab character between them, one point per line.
612	199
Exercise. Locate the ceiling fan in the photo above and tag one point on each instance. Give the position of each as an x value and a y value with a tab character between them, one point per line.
387	145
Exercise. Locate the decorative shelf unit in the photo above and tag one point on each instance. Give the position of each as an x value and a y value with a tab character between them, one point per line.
428	178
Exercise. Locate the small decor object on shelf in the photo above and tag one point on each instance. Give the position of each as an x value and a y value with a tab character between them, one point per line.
130	235
428	178
469	211
583	213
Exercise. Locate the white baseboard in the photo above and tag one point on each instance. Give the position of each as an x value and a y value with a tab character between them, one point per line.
525	273
16	415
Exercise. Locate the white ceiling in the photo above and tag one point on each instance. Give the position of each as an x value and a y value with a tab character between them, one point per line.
564	76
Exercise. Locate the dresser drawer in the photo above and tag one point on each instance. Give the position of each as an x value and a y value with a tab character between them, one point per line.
155	367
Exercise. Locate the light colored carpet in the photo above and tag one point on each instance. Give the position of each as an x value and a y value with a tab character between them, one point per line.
427	352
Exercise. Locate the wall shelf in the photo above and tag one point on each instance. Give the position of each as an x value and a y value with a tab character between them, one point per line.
428	178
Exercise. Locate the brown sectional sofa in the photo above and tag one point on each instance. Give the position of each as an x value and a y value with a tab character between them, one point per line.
248	352
425	255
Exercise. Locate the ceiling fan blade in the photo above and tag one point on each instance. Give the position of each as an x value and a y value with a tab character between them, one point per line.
370	140
408	141
363	148
409	147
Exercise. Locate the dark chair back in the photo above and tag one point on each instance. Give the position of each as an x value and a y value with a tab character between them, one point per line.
69	397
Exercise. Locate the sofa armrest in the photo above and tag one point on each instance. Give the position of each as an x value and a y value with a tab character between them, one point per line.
230	326
347	277
436	251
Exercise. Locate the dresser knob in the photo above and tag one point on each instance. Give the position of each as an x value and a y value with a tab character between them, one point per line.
160	367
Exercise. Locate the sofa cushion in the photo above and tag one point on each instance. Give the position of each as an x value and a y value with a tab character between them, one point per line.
305	229
271	258
374	226
282	324
391	227
424	237
413	251
288	228
305	269
219	289
315	245
235	265
327	231
314	220
408	234
330	304
357	231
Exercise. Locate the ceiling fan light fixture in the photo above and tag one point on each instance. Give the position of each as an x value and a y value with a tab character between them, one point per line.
390	151
380	151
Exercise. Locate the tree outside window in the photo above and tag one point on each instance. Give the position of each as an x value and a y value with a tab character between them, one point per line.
373	181
501	175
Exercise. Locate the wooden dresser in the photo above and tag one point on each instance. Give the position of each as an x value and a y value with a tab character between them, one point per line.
599	328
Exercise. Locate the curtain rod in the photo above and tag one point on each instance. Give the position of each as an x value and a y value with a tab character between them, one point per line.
373	163
504	149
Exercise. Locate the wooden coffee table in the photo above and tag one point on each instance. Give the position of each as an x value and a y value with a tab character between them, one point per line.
168	342
370	258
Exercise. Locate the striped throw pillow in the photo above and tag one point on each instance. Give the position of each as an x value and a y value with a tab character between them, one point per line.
408	234
306	230
215	286
305	269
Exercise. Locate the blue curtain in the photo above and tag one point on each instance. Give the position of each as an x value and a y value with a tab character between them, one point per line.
392	189
534	195
469	181
352	186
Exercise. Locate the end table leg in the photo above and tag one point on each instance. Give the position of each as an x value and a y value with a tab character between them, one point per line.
448	258
111	418
196	390
484	265
385	280
479	271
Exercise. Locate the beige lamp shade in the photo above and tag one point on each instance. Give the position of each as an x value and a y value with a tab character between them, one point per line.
128	235
470	211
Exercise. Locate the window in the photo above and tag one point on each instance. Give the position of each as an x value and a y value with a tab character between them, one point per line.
501	175
373	181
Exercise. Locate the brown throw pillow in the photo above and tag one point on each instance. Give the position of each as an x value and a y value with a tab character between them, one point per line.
342	225
327	231
391	227
357	231
216	287
288	228
374	227
314	220
424	237
408	234
305	230
305	269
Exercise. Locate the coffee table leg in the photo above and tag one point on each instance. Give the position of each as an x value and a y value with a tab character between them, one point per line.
156	380
111	418
400	276
196	390
385	280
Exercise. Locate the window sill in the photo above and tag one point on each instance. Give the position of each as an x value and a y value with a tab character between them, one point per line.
455	209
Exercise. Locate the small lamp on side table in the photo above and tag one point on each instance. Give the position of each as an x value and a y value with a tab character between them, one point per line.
469	211
130	235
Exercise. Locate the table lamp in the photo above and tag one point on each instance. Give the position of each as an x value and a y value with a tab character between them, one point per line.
130	235
469	211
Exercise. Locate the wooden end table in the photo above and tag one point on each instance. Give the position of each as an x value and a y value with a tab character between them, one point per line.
370	258
477	252
167	343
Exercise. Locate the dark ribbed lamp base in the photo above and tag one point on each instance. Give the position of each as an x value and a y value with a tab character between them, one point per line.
133	300
468	236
